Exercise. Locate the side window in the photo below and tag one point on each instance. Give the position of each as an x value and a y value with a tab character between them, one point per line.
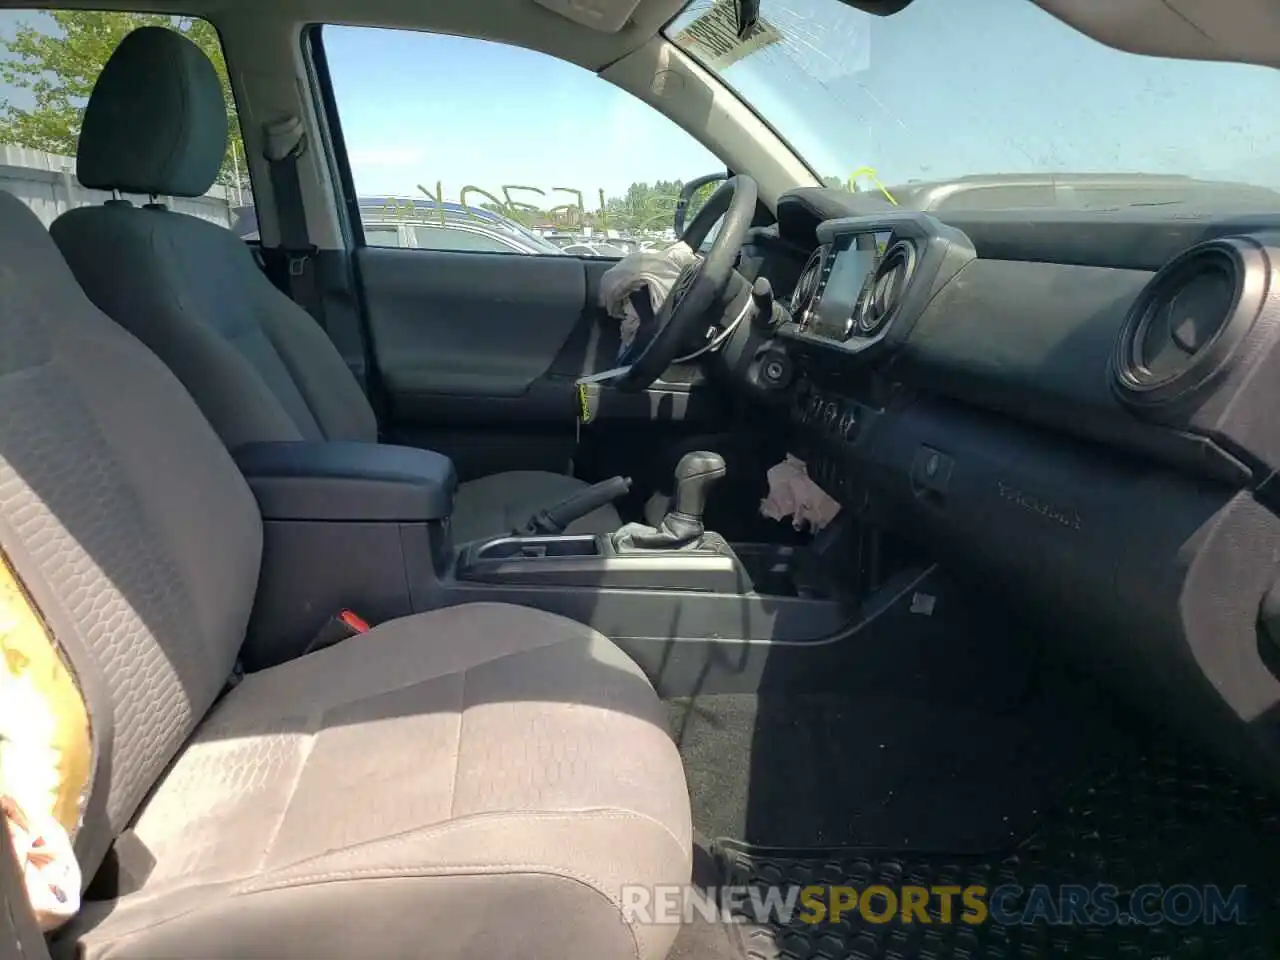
488	147
49	62
382	236
446	237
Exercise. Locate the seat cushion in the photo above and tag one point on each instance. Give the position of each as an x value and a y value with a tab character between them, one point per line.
440	786
495	505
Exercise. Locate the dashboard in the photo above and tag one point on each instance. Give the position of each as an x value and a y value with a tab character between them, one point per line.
1081	407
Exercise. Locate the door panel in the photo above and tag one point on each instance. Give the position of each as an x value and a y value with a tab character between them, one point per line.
470	325
479	357
478	354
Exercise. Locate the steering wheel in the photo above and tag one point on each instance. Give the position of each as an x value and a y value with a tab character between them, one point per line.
700	286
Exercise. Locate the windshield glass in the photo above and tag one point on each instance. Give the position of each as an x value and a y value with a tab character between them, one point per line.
946	89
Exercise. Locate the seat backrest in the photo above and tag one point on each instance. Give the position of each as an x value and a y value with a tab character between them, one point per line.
257	364
135	536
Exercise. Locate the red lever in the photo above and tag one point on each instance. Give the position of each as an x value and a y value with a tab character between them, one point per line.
354	621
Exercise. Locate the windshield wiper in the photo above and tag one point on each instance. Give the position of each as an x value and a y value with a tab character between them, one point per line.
748	15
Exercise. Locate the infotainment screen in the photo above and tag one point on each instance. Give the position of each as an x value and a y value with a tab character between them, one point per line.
851	262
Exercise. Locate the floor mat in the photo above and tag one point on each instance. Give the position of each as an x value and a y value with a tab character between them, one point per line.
1139	819
824	771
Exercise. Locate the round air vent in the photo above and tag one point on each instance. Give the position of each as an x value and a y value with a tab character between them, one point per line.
802	298
1189	320
885	288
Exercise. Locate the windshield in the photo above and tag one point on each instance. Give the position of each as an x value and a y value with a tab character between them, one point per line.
947	89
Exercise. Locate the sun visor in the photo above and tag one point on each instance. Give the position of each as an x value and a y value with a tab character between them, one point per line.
1243	30
606	16
1236	30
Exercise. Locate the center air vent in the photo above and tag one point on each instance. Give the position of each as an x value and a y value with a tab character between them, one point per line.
885	288
806	291
1188	321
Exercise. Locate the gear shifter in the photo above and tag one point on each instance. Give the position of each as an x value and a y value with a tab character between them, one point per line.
696	474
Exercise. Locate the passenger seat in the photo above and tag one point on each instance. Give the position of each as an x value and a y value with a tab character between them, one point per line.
480	781
258	365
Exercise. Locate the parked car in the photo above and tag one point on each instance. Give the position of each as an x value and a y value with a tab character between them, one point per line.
427	224
611	250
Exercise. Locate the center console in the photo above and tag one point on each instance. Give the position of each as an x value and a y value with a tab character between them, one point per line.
598	561
340	524
366	527
675	581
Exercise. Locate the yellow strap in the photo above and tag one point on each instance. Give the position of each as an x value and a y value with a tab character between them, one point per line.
870	174
45	738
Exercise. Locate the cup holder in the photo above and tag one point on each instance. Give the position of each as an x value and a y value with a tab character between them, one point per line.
781	571
538	548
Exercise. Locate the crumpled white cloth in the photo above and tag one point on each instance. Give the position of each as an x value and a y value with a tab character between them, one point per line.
47	863
28	787
656	271
792	493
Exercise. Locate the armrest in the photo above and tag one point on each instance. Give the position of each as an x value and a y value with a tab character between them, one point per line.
348	480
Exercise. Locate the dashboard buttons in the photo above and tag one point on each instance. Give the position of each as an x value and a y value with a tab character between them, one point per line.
849	424
931	470
836	418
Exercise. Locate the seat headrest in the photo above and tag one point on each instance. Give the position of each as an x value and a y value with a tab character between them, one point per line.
156	122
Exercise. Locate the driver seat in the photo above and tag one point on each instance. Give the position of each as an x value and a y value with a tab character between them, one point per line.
257	364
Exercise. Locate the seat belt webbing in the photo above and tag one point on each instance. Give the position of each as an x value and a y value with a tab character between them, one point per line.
286	143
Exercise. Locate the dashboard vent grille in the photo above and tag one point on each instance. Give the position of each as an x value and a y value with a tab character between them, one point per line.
806	291
1187	322
885	288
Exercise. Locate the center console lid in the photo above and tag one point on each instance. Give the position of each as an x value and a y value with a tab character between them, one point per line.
346	480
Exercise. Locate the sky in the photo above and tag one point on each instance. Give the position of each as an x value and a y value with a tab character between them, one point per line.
423	109
948	87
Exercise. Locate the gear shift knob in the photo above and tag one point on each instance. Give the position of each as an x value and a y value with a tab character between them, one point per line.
696	474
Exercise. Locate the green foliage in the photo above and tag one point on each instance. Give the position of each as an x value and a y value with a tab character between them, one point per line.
652	207
643	208
57	69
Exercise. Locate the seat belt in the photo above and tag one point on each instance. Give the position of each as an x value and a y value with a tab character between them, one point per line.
295	272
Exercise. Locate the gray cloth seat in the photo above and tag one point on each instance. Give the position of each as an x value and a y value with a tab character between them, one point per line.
258	365
477	781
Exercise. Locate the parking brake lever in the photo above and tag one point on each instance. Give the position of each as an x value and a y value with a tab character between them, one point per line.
554	519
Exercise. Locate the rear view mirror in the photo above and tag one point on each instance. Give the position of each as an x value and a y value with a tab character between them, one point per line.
692	196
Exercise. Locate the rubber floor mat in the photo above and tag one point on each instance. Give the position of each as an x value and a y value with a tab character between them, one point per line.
825	771
1138	820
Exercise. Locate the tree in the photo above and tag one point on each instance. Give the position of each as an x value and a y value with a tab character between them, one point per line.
642	208
652	207
58	68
